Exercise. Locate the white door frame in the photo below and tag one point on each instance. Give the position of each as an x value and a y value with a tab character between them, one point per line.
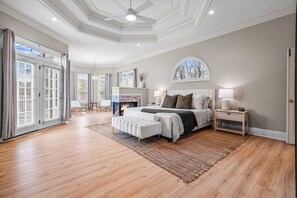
290	99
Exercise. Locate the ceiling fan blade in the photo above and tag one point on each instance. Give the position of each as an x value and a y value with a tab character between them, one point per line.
143	6
113	18
119	5
146	19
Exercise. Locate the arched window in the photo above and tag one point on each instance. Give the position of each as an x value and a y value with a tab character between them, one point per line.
191	69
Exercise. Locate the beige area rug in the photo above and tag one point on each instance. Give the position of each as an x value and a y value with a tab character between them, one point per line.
188	158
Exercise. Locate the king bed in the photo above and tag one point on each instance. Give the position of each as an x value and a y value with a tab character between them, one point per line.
178	121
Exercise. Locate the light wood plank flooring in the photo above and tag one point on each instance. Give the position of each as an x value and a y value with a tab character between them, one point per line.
73	161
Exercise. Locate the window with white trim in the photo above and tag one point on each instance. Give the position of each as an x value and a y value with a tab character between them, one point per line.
191	69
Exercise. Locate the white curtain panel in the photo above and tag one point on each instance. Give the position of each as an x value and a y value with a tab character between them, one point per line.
66	89
9	108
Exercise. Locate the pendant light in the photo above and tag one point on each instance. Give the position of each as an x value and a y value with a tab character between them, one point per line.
94	76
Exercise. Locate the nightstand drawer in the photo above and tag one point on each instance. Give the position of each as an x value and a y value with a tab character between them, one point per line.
229	116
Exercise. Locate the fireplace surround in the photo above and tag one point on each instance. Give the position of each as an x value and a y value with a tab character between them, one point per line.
119	107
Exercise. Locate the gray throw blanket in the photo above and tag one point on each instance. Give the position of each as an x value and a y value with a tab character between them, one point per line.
188	117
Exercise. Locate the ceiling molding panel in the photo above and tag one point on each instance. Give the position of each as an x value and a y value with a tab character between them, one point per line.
200	12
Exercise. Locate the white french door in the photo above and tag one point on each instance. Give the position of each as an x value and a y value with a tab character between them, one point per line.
39	95
51	96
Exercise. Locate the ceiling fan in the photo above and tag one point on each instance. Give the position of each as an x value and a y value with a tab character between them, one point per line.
133	14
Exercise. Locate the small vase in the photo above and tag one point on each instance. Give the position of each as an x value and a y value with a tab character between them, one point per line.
141	84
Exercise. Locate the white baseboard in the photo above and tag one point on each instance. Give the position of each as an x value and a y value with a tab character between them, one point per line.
277	135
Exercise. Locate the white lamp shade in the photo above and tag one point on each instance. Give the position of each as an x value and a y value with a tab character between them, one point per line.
226	93
158	93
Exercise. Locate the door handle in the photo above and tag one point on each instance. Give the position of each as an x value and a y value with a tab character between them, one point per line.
291	101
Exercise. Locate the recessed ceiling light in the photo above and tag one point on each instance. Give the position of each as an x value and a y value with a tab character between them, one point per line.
54	19
138	44
211	12
131	17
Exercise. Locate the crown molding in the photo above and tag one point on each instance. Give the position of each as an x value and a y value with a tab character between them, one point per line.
29	22
258	20
184	7
88	16
176	27
78	26
74	64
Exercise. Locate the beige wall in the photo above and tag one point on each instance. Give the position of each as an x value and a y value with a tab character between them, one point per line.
26	31
252	60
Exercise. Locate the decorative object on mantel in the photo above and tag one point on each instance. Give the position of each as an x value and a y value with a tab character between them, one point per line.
158	95
95	76
190	69
141	78
226	94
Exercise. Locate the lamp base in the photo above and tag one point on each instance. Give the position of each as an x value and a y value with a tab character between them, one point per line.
225	104
158	100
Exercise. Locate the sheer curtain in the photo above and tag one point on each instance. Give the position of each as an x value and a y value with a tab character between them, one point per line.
8	81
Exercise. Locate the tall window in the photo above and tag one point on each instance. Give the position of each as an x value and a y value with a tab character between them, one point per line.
24	93
82	88
101	87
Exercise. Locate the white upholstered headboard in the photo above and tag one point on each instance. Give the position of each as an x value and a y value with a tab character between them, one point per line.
196	92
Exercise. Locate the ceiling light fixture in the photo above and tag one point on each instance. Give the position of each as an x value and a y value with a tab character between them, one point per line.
211	12
138	44
94	76
54	19
130	17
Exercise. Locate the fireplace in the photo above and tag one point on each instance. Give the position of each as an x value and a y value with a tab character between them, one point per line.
119	107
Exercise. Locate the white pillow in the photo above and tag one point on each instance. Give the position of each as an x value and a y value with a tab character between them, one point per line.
206	101
148	116
197	102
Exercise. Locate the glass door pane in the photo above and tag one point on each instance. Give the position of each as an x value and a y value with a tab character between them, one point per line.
52	89
24	93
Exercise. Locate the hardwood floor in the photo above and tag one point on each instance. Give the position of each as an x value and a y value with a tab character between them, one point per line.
73	161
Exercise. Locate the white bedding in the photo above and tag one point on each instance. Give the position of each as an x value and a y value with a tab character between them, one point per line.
171	122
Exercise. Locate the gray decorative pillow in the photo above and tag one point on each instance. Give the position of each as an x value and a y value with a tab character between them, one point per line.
184	102
169	101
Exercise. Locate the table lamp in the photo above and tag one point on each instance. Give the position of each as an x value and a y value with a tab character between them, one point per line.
158	95
226	95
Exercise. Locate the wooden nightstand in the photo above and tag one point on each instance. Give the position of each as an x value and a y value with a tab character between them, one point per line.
231	115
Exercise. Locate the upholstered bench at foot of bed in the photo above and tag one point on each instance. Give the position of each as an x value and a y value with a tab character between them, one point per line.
136	126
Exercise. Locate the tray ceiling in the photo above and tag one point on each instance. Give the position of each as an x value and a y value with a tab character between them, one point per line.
178	22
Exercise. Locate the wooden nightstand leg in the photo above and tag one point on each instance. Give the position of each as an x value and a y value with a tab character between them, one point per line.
243	127
138	140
